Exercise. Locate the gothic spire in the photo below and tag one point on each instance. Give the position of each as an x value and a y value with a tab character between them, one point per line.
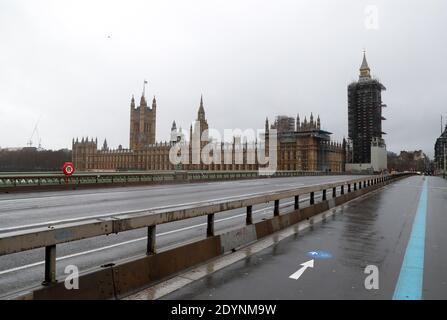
364	68
154	103
132	102
105	147
201	113
364	62
201	104
143	102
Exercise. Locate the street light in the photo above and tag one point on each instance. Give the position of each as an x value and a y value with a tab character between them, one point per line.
443	173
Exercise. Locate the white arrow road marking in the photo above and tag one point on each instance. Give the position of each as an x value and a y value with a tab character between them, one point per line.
305	265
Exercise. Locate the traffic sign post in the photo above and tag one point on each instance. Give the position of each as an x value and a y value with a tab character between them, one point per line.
68	170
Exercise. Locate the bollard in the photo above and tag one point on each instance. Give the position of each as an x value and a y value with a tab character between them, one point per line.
276	210
151	244
249	219
324	195
349	187
334	192
210	225
342	190
297	202
312	198
355	186
50	265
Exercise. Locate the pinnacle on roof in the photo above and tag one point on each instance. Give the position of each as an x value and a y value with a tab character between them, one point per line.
143	101
201	109
364	69
364	65
201	113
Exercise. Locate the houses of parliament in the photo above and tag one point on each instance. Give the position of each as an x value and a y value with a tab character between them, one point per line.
301	146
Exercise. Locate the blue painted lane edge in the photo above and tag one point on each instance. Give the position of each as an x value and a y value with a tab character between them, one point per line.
409	284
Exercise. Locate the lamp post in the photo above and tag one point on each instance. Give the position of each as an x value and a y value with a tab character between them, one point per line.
443	172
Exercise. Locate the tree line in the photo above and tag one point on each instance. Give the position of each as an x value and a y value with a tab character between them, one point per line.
31	159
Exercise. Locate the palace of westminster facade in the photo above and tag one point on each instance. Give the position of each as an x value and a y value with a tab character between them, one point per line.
301	146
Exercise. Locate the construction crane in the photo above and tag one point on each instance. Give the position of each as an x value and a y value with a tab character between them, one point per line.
35	132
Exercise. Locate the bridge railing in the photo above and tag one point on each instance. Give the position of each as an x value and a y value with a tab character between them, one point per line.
24	180
49	236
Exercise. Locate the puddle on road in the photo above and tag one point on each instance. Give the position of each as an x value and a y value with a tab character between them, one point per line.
319	254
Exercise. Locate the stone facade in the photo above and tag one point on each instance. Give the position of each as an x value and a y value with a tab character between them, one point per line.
142	123
304	147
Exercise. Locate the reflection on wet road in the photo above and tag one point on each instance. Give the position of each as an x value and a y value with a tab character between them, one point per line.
373	231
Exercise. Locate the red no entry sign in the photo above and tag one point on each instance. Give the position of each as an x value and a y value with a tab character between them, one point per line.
68	168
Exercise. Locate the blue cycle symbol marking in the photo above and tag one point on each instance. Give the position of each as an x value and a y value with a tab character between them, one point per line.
318	254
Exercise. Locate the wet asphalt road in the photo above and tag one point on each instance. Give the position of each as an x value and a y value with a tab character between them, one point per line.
22	270
374	230
27	208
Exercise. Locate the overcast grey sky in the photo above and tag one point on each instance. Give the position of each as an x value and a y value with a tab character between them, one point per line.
75	65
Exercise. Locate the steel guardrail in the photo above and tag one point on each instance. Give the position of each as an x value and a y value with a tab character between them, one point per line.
45	179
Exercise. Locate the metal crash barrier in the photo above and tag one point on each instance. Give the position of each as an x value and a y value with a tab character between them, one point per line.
24	181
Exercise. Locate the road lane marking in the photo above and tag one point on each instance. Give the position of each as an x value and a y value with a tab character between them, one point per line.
409	284
305	265
129	189
108	215
133	189
150	209
13	200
